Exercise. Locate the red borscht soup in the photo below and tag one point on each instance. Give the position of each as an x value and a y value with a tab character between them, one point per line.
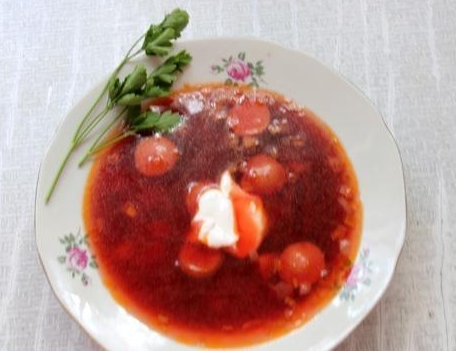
232	229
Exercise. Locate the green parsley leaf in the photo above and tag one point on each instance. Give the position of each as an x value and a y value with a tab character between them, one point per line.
134	88
158	38
162	77
114	87
134	81
145	121
131	99
160	122
167	121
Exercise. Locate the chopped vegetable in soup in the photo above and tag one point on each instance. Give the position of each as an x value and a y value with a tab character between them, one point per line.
233	228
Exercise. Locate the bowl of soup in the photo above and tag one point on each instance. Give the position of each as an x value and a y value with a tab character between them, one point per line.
272	215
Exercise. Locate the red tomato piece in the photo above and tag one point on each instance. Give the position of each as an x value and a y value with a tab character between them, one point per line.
154	156
199	261
249	118
194	190
250	223
263	175
268	265
301	264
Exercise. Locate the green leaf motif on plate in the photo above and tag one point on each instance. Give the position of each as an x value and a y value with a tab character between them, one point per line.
240	71
77	258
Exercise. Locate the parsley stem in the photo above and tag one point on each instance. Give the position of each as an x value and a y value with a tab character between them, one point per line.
59	171
112	141
157	41
77	134
81	134
127	56
92	124
125	60
95	145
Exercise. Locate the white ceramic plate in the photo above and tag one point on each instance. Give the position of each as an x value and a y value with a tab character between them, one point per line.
307	81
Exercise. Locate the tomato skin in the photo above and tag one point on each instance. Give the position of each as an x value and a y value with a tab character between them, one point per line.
268	265
155	156
194	190
251	222
198	260
249	118
263	175
301	264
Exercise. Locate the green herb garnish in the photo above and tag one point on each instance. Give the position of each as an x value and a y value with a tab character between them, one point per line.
137	86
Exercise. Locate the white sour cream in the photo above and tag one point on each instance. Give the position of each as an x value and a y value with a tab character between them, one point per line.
216	213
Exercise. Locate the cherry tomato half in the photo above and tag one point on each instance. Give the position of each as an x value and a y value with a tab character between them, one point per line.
199	261
154	156
249	118
263	175
301	263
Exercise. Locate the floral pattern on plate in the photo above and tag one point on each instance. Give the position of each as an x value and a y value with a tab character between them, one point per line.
359	276
239	70
77	258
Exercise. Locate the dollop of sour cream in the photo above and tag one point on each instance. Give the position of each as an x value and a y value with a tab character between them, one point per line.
216	215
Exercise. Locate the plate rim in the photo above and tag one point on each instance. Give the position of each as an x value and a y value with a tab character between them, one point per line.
398	249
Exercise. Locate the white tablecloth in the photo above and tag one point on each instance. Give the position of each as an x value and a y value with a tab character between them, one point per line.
402	54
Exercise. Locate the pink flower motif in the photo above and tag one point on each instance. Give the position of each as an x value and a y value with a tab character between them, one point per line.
238	70
77	258
356	276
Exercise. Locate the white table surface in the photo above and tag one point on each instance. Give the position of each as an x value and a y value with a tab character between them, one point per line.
402	54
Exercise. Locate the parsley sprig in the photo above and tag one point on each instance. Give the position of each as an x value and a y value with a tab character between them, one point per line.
128	93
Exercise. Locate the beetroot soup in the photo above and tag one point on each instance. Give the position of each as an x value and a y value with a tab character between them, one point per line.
232	229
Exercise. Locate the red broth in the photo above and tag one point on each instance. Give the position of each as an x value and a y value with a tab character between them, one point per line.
137	224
